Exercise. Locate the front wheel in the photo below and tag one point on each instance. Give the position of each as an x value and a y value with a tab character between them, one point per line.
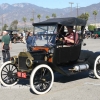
41	79
97	67
8	73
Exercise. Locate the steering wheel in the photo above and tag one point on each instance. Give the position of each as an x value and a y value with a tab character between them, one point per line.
60	39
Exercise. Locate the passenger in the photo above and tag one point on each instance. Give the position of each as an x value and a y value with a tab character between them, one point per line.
71	38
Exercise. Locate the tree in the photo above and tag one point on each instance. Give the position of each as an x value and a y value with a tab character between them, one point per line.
47	17
14	24
84	16
24	20
54	15
91	27
31	19
5	27
95	14
39	16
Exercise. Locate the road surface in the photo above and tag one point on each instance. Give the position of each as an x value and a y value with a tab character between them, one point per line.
81	86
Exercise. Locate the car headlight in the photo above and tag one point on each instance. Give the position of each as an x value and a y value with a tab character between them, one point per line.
29	62
13	60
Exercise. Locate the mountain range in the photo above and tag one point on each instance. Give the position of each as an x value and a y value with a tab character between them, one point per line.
17	11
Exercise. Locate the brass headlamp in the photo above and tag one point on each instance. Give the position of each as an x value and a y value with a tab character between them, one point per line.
29	62
13	59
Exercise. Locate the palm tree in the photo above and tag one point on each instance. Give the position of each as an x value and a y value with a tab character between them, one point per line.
31	19
39	16
95	14
54	15
24	20
47	17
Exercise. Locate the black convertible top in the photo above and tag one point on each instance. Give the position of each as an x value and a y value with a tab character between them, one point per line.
69	21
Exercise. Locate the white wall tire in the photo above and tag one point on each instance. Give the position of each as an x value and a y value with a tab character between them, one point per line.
96	66
4	78
34	85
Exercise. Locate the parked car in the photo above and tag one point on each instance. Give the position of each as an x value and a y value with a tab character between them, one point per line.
96	33
14	35
49	56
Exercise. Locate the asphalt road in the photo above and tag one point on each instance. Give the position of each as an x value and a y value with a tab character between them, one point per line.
77	87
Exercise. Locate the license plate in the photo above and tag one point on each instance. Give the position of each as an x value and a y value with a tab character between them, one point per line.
21	74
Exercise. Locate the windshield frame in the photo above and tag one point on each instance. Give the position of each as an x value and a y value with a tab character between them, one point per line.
44	33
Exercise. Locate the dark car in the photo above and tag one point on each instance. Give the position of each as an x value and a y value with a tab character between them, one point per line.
14	35
50	56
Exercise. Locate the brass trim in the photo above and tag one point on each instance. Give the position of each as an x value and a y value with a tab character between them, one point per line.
14	57
24	54
31	62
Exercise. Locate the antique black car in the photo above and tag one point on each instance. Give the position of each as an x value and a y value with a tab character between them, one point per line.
14	35
49	56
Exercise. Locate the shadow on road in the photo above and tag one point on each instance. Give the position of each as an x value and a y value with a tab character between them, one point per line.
63	79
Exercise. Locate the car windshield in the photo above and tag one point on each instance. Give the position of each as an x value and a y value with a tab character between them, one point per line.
45	35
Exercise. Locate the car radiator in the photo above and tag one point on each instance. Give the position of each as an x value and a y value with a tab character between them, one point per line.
22	63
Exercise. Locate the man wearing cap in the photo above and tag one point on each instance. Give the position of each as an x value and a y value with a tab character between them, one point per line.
6	45
71	37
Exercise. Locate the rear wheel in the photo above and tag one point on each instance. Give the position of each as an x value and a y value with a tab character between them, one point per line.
41	79
97	67
8	74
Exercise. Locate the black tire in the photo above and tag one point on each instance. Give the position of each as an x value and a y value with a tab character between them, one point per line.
41	79
97	67
8	73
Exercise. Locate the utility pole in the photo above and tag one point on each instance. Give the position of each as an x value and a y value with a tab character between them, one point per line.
77	9
33	15
2	23
71	7
33	18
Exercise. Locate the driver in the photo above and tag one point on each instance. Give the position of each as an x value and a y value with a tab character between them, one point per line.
71	37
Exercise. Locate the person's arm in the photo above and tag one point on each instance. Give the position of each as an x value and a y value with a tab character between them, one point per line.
69	40
2	45
10	45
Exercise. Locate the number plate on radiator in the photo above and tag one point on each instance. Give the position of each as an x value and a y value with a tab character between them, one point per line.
21	74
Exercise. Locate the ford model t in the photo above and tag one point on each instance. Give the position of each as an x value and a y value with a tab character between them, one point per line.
50	55
14	35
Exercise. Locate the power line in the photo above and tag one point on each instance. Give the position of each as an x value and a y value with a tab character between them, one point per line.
71	7
77	9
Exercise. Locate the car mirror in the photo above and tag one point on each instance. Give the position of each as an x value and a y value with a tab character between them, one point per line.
84	44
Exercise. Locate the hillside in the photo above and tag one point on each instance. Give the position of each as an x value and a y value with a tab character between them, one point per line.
8	12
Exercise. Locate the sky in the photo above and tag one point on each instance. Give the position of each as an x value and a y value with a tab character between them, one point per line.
54	3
